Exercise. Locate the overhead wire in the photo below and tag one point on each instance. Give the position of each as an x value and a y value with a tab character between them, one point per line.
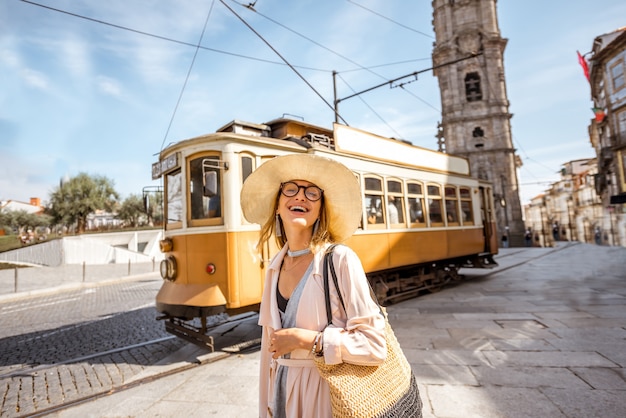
282	58
386	65
218	51
360	67
389	19
331	51
164	38
370	107
182	90
198	46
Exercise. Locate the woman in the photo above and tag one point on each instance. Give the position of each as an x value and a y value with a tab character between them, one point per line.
309	202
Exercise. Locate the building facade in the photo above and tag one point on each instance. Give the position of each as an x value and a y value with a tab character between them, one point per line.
468	62
569	210
607	131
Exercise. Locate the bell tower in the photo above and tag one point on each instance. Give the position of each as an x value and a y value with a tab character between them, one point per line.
475	120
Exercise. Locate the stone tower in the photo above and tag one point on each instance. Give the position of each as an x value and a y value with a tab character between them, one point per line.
475	120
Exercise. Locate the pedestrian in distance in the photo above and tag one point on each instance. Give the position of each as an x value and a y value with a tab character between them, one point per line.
528	237
505	241
307	203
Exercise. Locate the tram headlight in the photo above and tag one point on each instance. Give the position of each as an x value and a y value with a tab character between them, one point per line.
168	269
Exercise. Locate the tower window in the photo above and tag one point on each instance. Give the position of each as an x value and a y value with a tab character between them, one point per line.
473	92
478	132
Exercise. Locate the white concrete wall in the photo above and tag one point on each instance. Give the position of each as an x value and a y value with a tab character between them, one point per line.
92	249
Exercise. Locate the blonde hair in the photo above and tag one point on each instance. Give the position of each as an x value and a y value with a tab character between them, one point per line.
321	234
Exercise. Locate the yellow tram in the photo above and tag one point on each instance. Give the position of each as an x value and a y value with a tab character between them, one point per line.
423	217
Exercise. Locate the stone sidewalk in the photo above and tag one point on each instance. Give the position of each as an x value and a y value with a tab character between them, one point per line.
541	335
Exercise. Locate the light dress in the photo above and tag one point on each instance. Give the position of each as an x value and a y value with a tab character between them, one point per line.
359	339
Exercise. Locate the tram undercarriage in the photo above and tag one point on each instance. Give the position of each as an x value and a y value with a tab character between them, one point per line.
200	327
396	285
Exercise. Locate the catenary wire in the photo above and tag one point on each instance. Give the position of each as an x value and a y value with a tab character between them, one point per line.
370	107
360	67
331	51
284	59
198	46
165	38
182	90
391	20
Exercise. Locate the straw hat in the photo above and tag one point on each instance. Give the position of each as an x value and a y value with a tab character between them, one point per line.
342	193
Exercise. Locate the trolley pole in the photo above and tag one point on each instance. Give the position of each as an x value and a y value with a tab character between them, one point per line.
335	101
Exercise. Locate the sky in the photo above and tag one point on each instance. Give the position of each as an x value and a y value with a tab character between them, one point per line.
100	87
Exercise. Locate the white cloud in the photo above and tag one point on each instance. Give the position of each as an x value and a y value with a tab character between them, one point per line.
34	79
75	55
109	86
10	57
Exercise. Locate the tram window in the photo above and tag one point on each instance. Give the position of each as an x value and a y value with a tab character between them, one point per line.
174	187
374	209
414	188
452	211
394	186
435	205
395	207
416	203
416	210
466	206
374	201
434	191
205	205
246	167
373	184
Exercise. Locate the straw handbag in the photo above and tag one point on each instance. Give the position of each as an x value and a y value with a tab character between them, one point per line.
386	390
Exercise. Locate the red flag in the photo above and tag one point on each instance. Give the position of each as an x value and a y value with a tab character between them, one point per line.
583	63
599	112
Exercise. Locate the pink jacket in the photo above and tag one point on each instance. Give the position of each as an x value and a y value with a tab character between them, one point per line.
358	339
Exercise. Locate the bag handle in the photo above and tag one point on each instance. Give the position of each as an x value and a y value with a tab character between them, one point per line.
330	265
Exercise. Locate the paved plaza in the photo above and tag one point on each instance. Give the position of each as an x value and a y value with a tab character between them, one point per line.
541	335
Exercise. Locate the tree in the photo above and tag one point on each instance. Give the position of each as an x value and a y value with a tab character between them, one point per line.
21	221
79	197
131	210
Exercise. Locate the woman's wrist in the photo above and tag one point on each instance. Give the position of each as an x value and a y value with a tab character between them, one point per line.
318	345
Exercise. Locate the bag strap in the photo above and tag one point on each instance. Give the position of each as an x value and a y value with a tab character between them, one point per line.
330	265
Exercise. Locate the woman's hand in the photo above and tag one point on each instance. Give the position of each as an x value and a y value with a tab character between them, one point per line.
286	340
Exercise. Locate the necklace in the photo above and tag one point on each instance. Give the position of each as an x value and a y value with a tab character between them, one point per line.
298	253
293	265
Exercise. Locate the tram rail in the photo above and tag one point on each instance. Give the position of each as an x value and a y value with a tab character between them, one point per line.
226	340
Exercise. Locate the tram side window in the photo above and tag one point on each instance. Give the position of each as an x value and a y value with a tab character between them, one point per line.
452	211
395	207
246	167
466	206
174	186
374	201
205	188
416	203
435	205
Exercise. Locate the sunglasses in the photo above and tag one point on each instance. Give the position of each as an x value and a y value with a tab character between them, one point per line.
290	189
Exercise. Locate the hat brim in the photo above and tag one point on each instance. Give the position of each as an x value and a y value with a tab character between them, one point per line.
342	193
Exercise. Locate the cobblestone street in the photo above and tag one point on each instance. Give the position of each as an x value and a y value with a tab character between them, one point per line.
53	362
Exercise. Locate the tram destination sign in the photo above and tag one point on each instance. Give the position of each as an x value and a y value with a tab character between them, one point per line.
165	165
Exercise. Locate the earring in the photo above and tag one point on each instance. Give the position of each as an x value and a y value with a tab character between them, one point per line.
316	226
279	232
